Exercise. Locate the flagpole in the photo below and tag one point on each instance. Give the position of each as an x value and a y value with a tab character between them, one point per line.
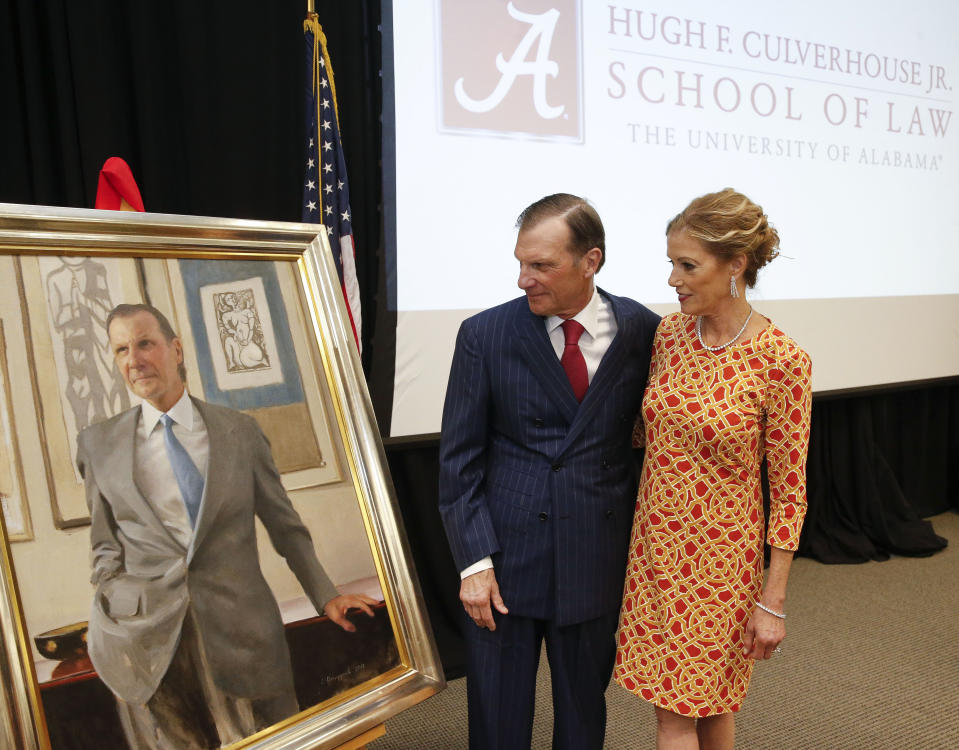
326	197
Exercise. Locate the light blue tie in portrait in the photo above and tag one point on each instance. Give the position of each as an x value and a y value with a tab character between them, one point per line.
187	475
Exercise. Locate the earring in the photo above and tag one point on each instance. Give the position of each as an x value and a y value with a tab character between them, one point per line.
733	291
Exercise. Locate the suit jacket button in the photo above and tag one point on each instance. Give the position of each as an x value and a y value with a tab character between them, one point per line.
557	467
543	516
538	422
610	514
605	464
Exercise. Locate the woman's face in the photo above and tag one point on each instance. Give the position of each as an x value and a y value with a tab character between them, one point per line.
701	279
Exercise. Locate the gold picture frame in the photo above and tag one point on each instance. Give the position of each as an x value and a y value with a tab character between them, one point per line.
353	507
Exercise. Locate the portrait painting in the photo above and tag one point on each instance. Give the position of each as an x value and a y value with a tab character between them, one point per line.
273	605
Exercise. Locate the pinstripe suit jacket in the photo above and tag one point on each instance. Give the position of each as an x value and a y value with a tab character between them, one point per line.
543	484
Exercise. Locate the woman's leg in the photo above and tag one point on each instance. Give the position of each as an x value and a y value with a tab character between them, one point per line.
717	732
675	732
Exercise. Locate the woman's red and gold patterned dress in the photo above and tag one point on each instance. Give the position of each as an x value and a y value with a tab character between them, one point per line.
696	555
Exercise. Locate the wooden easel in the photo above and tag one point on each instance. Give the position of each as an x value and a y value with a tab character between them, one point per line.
359	743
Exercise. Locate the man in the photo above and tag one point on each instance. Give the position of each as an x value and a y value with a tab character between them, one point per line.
537	480
184	628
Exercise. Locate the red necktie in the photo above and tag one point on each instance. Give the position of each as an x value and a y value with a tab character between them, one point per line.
572	359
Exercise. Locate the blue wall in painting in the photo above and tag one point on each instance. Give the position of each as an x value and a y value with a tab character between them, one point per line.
199	273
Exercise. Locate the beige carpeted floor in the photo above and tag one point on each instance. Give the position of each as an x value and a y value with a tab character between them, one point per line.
871	662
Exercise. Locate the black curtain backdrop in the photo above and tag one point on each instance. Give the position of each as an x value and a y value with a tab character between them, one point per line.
204	100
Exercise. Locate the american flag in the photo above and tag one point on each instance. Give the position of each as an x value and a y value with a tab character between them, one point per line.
326	189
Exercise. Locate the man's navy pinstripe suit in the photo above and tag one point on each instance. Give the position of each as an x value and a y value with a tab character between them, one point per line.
546	486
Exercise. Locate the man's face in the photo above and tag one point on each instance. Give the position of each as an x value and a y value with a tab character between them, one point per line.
149	363
555	281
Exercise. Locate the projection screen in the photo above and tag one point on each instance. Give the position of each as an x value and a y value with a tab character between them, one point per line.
836	117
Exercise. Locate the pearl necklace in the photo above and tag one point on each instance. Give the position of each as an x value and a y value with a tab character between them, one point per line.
699	333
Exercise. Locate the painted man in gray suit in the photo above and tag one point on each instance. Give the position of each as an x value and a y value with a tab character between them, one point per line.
184	628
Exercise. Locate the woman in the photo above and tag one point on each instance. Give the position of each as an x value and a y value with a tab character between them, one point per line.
726	388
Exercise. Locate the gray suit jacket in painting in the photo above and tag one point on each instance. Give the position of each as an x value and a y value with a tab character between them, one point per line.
146	581
543	484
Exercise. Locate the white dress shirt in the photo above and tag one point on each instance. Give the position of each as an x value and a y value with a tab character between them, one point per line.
152	471
600	324
600	327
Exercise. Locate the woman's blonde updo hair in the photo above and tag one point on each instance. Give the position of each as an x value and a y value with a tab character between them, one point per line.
728	224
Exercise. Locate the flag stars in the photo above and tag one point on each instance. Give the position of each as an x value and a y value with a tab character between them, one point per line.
326	187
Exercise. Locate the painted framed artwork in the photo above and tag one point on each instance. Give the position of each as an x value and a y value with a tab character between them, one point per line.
235	324
65	301
16	513
103	598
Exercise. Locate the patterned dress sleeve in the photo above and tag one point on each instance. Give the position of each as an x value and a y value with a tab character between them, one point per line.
788	408
639	427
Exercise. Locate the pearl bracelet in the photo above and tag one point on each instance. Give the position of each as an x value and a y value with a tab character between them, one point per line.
780	615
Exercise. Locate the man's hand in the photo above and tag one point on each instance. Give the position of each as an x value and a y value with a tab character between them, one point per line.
337	607
478	592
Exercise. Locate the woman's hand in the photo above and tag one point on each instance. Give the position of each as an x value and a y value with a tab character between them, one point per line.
764	633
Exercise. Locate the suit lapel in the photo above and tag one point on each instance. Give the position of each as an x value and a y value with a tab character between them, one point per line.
223	456
539	354
607	373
